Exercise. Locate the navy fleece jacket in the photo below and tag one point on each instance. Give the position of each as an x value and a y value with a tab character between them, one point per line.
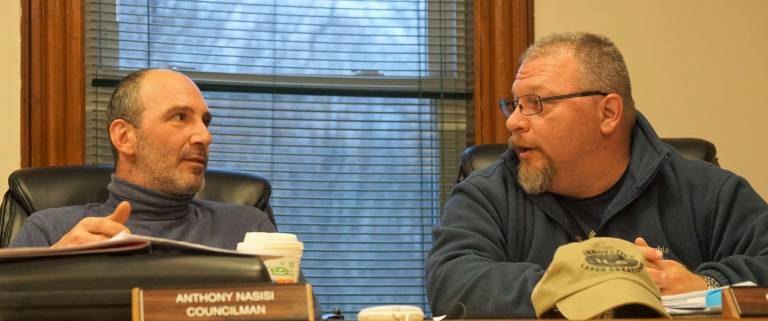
495	241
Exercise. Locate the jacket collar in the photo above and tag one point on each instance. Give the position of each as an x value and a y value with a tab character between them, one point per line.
648	154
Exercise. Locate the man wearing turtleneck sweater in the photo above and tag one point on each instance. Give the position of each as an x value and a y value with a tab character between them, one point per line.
158	126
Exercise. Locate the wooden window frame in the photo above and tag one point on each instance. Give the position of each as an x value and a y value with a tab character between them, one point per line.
503	30
53	74
52	82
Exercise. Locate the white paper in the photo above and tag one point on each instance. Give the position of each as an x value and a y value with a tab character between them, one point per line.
694	302
128	237
120	242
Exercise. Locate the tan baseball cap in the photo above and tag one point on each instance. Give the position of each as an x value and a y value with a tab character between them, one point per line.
599	277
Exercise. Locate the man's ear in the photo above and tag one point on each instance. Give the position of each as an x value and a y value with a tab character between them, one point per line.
123	136
611	113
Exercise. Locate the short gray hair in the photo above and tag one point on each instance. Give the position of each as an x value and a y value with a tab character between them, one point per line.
125	104
601	65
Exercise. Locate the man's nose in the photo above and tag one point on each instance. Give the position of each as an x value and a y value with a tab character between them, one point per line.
517	122
202	135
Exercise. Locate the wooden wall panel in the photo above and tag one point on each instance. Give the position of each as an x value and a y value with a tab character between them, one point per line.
503	30
53	83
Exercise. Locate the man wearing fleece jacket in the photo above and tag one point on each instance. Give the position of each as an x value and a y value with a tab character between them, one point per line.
582	163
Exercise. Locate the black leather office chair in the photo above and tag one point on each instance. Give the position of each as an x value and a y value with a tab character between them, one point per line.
480	156
37	188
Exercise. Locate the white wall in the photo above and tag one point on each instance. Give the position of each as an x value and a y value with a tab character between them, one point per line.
699	68
10	91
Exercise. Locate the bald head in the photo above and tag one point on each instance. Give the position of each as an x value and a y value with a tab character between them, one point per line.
159	129
125	102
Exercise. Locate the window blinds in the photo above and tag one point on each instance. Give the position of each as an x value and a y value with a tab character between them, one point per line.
356	111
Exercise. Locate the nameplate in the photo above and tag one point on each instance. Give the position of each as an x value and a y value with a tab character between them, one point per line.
745	302
258	302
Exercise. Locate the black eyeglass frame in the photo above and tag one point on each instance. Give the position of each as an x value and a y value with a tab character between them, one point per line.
504	102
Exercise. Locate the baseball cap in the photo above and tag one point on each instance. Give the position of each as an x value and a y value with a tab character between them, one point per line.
601	276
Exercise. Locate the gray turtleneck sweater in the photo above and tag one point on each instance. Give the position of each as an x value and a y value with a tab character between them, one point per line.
154	214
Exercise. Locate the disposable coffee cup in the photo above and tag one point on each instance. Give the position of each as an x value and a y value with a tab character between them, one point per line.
280	252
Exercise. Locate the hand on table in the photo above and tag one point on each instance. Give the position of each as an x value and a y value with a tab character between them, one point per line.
97	229
670	276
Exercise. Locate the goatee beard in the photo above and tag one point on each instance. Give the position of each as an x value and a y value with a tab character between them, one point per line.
535	180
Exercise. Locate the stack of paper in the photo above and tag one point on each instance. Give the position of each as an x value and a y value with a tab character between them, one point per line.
697	302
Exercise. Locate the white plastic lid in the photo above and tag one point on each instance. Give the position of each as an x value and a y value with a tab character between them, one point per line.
268	236
272	248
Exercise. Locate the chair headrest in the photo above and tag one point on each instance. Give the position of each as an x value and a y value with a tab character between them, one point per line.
478	157
38	188
694	148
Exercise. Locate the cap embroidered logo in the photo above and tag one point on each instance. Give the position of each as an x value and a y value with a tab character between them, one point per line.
597	277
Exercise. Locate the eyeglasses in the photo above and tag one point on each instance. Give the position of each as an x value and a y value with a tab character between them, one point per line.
532	104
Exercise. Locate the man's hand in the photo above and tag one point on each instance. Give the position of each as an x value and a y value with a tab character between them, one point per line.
97	229
670	276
